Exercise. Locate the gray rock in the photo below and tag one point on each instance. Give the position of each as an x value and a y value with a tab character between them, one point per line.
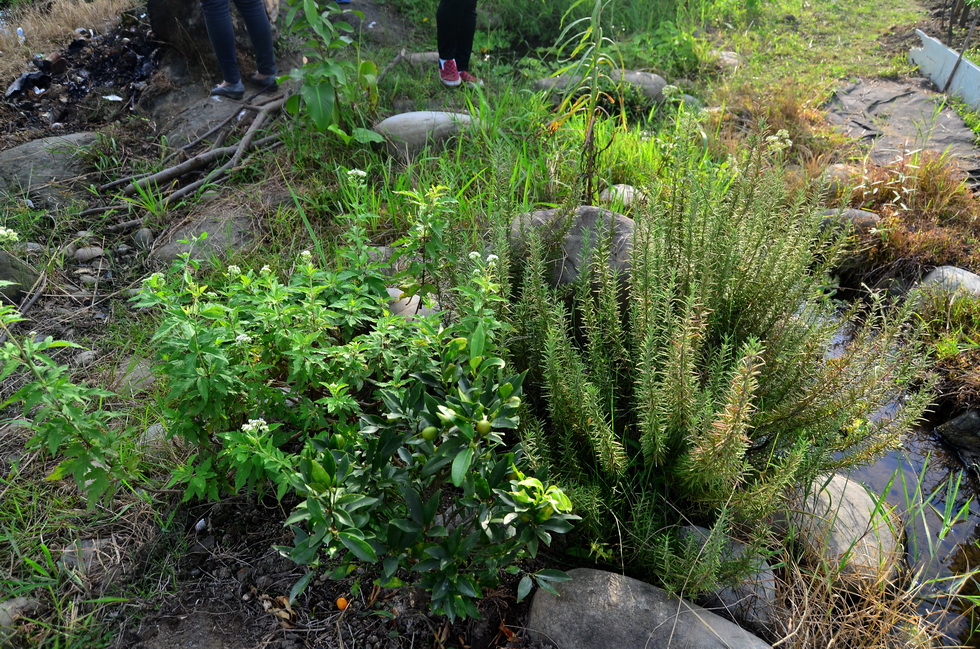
840	177
726	60
408	133
649	84
576	233
862	221
45	170
85	358
11	610
14	270
188	114
752	602
838	522
88	280
86	555
963	431
624	196
951	280
133	375
33	246
599	610
88	253
410	307
143	238
227	226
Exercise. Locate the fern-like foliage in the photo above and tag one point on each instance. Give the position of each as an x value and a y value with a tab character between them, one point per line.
722	375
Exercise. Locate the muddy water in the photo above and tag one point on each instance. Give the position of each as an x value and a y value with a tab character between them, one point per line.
925	466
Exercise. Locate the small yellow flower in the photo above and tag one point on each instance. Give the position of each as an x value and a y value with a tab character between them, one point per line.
425	20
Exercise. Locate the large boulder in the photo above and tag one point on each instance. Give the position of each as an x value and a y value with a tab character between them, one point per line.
408	133
599	610
839	522
45	170
963	432
576	234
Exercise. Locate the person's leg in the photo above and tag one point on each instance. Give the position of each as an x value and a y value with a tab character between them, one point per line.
464	34
217	19
260	33
447	28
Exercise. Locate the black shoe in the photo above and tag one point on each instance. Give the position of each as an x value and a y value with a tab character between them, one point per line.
233	91
267	84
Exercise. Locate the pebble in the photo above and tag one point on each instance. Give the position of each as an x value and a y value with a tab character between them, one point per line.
88	280
86	358
143	238
88	253
33	247
84	234
122	249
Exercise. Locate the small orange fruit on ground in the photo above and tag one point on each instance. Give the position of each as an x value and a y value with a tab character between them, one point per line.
342	603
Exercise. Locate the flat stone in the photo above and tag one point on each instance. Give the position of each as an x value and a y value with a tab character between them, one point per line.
408	133
228	228
46	170
133	376
649	84
576	233
88	253
603	610
422	58
11	610
839	522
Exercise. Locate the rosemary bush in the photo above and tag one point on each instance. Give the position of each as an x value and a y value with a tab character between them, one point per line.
715	381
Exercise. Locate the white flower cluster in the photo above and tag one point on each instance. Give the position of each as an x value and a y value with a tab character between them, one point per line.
669	91
234	271
265	270
156	279
474	255
355	174
305	256
780	141
8	235
243	338
492	260
255	426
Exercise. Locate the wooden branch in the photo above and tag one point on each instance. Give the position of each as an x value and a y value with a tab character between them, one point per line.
398	59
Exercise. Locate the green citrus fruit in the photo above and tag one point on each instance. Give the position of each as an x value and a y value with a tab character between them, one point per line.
482	427
430	433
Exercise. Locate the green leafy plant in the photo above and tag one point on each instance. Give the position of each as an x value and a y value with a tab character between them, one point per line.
330	84
705	389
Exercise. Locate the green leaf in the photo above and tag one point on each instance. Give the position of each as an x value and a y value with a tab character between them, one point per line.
478	341
321	102
524	587
550	574
461	464
359	547
300	586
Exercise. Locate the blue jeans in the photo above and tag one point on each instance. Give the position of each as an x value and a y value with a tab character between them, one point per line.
217	18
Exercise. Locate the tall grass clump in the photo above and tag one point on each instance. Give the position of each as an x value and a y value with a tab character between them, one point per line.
707	386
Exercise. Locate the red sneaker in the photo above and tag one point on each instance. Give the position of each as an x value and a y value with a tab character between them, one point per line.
448	74
466	77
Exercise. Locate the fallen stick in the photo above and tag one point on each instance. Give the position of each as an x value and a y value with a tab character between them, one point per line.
398	59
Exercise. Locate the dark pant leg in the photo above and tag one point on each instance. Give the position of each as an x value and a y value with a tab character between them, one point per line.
455	26
260	33
217	19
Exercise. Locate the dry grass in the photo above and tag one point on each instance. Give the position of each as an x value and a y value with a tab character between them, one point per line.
49	27
930	216
817	610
